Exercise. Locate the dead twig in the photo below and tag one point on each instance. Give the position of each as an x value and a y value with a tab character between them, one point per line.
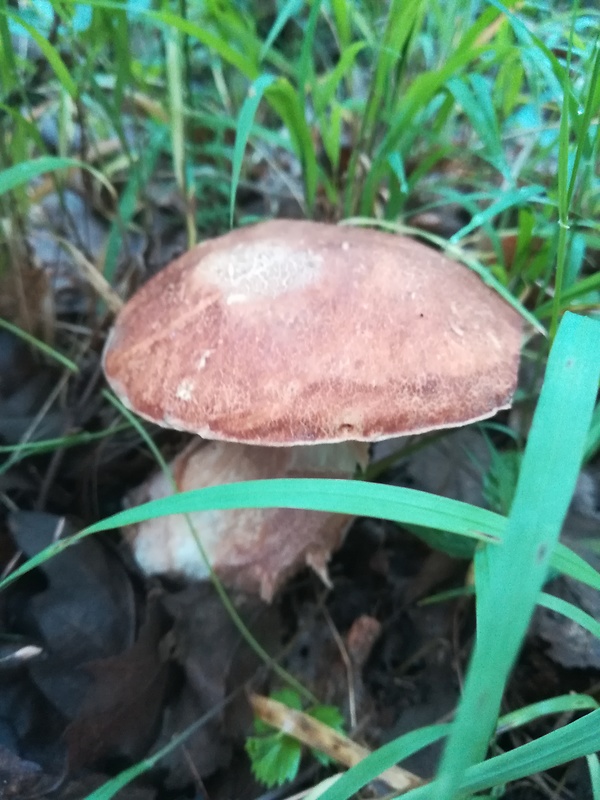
321	737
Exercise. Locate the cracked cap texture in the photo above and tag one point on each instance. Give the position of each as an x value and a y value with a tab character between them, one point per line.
293	332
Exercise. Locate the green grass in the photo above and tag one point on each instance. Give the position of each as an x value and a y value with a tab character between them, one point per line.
388	116
496	80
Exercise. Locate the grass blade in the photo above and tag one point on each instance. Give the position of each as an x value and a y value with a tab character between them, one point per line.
593	442
51	53
570	563
140	172
8	65
175	82
517	570
572	612
475	98
244	126
42	347
285	101
287	11
513	199
305	71
404	126
594	770
543	708
337	496
20	174
577	739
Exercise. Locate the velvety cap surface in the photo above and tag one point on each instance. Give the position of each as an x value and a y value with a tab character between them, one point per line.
294	332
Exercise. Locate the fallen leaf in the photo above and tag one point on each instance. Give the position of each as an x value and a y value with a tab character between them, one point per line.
86	612
19	778
121	712
215	660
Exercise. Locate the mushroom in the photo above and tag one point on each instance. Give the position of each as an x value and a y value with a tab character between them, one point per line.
292	333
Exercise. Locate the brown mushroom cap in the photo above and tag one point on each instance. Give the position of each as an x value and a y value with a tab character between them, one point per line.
294	332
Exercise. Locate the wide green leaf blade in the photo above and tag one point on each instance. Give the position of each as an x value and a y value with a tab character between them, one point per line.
516	571
244	126
339	496
20	174
52	55
579	738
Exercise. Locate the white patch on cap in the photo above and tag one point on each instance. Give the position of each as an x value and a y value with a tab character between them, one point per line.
185	390
259	269
202	361
236	298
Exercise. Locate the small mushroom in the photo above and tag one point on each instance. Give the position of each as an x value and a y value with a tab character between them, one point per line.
293	333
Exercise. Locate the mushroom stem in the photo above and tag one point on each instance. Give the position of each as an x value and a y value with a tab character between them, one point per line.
254	550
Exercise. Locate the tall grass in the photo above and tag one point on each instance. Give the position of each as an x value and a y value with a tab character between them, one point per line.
386	115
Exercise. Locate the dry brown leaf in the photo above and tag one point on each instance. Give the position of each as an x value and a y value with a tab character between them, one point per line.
122	710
